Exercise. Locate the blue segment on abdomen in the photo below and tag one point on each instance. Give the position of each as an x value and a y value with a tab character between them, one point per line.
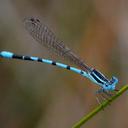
47	61
6	54
34	58
61	65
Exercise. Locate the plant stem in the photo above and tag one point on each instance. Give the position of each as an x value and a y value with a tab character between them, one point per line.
100	107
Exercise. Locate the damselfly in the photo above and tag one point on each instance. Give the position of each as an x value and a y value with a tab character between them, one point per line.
42	34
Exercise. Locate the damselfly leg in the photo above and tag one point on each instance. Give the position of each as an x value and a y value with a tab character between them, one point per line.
102	95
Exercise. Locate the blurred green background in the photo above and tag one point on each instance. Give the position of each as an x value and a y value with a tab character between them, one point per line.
34	95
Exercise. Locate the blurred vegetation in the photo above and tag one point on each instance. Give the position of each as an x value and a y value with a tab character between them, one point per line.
41	96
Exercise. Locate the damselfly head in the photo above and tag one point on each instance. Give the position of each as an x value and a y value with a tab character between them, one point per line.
114	80
111	85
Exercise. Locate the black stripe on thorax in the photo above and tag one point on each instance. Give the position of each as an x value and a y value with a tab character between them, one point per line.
98	74
94	77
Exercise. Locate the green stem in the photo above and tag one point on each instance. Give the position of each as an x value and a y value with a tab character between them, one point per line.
99	108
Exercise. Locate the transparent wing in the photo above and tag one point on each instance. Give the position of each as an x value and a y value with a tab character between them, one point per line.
42	34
